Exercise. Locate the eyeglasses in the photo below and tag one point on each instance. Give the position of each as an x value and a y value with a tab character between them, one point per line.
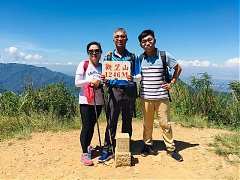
94	51
144	41
120	36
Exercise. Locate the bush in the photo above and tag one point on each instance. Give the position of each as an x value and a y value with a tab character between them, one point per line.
181	96
201	100
235	87
57	99
9	104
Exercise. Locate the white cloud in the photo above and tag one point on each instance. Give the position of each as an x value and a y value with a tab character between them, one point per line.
14	52
11	50
195	63
21	54
233	62
28	57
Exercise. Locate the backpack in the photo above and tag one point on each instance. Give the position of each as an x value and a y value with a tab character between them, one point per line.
166	75
87	89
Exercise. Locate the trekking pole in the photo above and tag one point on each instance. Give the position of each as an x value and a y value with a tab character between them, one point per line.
108	118
95	109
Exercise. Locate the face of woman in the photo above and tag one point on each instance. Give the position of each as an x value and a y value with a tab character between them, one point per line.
94	53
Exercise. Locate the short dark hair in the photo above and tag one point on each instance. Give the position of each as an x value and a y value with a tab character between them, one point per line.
146	33
94	43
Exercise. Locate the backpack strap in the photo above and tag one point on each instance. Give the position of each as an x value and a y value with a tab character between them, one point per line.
165	70
132	60
109	56
141	57
85	65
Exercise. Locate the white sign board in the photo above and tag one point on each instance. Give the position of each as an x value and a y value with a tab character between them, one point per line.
116	69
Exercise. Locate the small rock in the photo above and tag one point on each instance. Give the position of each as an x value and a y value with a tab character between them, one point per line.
10	143
232	157
57	159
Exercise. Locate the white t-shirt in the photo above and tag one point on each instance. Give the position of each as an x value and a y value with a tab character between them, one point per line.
83	78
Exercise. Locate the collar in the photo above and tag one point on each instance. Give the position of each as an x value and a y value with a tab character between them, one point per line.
125	53
156	55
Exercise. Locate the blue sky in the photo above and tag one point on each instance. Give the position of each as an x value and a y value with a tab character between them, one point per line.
199	33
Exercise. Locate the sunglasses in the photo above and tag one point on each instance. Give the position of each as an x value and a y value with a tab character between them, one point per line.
94	51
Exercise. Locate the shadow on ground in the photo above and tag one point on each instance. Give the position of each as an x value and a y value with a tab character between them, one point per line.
158	145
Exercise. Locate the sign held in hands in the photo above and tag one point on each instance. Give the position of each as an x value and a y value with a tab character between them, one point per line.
119	70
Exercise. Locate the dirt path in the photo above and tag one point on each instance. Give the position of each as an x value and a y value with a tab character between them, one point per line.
57	156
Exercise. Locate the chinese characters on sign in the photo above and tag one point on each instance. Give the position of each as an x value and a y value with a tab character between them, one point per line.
116	69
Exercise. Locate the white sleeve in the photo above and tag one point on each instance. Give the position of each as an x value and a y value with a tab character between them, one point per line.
80	80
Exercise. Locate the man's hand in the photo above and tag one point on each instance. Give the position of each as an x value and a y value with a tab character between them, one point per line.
166	86
129	78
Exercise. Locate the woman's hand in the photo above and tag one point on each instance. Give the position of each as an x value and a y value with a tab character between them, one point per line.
95	83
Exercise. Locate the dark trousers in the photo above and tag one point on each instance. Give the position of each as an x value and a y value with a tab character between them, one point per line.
88	118
118	102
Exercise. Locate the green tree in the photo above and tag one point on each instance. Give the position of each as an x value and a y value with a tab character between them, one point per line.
9	104
57	99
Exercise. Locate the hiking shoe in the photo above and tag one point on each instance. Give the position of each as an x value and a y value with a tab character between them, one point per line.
105	156
85	160
175	155
148	150
95	152
89	152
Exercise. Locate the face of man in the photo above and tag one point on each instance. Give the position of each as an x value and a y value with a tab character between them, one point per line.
120	39
148	43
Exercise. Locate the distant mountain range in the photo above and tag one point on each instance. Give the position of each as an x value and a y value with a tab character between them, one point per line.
15	77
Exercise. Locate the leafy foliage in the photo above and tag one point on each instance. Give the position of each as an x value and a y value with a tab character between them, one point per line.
201	100
235	86
55	99
9	104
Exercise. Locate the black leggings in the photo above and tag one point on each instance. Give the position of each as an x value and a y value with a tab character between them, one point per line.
88	122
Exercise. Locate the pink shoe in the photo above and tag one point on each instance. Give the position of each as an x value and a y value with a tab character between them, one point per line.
85	160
